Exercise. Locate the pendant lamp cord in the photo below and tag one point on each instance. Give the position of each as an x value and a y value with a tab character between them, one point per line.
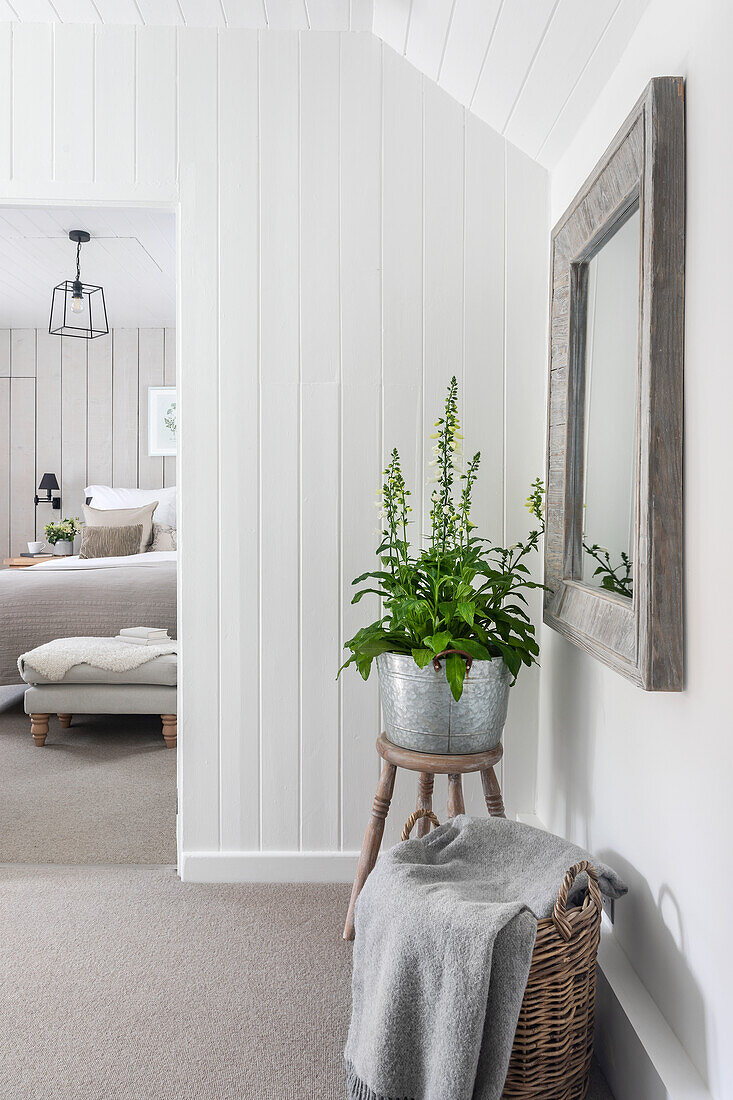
78	250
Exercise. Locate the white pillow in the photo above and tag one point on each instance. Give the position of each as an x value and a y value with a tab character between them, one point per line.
103	496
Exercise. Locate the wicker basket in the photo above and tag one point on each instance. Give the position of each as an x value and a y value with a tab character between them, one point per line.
553	1043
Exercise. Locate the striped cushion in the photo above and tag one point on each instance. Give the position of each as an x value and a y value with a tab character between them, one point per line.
110	542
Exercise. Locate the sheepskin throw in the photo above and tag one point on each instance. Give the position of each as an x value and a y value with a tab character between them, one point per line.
445	928
54	659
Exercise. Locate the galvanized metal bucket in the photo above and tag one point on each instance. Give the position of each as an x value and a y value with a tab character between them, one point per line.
420	712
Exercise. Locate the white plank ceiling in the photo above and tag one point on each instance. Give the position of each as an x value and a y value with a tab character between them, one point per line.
530	68
131	254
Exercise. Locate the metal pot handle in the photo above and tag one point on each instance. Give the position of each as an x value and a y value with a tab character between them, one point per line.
446	652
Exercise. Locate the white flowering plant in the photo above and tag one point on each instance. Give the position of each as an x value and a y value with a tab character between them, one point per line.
64	531
459	592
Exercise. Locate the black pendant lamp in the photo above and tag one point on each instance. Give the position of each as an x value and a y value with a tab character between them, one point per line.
77	308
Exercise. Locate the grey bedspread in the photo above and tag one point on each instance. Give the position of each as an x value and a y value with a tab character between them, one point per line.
39	604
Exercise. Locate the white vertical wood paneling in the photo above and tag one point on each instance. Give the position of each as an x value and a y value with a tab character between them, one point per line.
239	441
199	406
5	353
279	441
524	453
23	353
335	269
319	207
361	369
320	350
429	24
402	313
114	103
151	359
470	32
22	462
48	418
169	379
320	601
73	78
6	120
5	467
99	411
483	321
73	425
32	102
155	108
125	404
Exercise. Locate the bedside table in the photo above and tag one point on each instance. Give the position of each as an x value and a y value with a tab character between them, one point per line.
23	563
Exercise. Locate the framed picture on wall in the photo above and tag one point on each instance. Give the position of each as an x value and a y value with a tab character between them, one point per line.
162	420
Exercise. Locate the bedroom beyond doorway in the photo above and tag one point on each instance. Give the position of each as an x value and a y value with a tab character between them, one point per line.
88	530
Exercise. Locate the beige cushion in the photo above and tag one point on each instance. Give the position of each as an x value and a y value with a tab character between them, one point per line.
164	537
124	517
161	670
110	542
100	699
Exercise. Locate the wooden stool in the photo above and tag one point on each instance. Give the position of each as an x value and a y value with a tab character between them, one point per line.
428	765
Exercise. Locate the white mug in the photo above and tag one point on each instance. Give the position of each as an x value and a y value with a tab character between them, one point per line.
35	547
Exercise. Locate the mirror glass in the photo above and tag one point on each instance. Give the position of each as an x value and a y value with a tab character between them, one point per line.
611	374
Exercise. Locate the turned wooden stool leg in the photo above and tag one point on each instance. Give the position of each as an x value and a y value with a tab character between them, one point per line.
170	730
65	720
456	805
39	728
492	793
372	840
425	783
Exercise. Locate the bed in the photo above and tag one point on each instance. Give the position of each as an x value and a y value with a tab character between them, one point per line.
76	597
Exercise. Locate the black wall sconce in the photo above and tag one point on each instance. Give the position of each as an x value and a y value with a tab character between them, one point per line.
50	485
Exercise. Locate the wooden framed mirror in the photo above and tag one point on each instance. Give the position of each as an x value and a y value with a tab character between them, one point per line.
613	541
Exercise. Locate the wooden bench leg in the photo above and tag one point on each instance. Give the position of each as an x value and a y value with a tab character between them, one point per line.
65	720
456	805
424	800
492	793
372	840
39	728
170	730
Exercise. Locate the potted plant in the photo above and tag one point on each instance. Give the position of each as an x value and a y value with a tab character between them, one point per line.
454	632
61	535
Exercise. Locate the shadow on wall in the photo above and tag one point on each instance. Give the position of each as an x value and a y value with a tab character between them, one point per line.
656	927
572	756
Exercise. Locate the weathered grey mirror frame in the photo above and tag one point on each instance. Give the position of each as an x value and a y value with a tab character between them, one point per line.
640	638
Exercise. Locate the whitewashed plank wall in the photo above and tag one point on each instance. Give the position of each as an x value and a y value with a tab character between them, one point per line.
343	233
77	409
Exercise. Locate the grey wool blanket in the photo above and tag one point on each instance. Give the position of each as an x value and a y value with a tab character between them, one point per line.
445	928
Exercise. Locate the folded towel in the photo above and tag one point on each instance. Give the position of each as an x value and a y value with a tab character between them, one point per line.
54	659
131	639
445	928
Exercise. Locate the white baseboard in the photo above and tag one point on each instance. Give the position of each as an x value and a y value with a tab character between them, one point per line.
638	1052
268	866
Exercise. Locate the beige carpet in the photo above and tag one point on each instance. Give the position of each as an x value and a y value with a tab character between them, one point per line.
124	984
102	791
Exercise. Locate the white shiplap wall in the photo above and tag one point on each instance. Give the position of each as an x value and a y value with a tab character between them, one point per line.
344	246
77	409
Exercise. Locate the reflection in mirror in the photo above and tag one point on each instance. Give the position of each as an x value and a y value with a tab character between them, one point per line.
611	373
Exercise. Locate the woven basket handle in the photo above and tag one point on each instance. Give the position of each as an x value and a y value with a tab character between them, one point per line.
559	913
446	652
415	816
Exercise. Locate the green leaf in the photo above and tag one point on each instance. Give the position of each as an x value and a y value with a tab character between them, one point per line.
455	671
438	642
467	612
422	657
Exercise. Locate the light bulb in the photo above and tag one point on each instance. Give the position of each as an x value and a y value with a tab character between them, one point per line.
77	297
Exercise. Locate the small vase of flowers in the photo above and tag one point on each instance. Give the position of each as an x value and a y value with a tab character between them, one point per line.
454	632
61	535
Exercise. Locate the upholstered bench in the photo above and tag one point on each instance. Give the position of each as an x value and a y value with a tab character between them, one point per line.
149	689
